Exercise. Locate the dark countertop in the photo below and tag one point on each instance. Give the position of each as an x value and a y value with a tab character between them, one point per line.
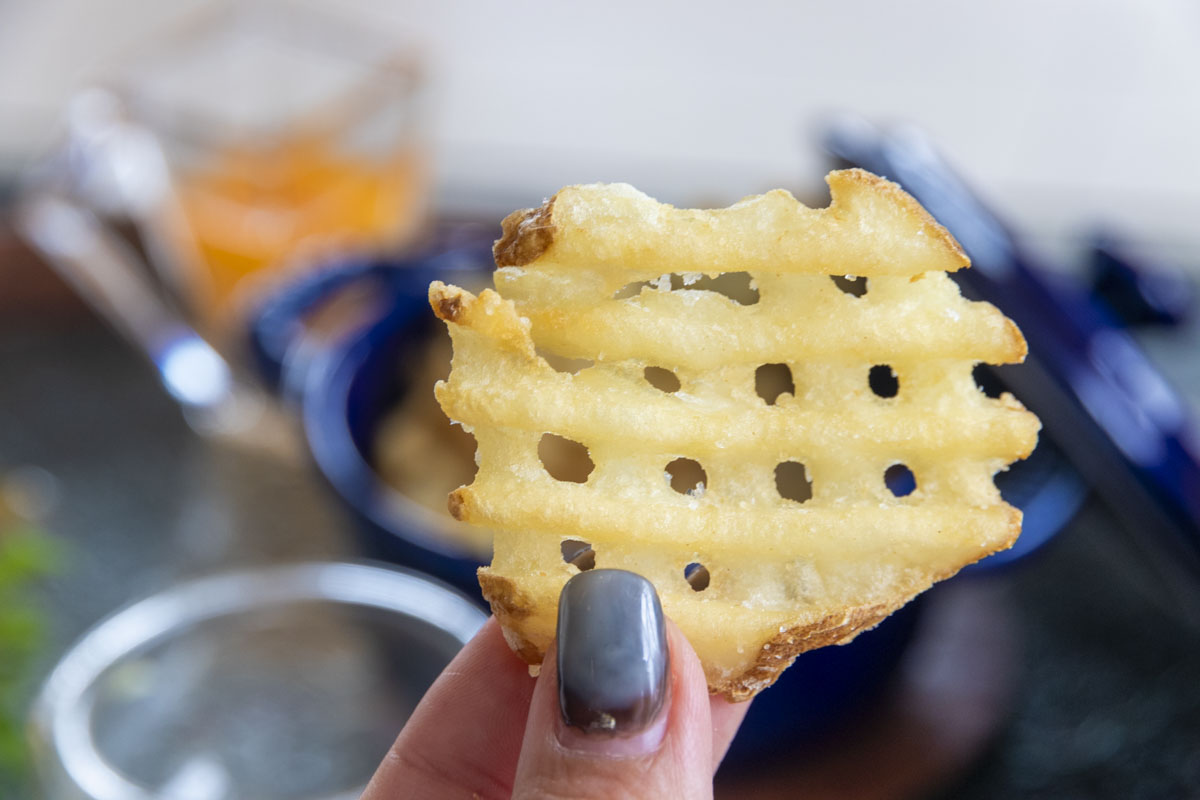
1107	697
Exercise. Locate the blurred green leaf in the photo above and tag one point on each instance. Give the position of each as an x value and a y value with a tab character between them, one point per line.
21	628
26	555
13	756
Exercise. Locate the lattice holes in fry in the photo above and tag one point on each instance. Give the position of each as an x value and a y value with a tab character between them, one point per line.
750	412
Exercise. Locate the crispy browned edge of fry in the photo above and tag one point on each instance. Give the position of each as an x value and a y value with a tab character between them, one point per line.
908	203
527	234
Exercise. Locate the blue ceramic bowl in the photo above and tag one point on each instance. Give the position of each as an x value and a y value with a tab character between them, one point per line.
345	390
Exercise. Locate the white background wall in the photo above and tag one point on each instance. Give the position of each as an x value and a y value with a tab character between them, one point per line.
1065	111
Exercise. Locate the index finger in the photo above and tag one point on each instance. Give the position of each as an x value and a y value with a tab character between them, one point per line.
464	738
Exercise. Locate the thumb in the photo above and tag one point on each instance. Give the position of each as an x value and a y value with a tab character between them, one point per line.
621	708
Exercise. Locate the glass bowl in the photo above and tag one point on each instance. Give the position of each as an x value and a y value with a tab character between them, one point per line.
276	683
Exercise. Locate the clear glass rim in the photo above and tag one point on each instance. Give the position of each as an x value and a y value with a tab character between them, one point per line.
60	720
395	64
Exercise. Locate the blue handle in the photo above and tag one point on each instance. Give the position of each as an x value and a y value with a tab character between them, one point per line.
1137	292
1120	424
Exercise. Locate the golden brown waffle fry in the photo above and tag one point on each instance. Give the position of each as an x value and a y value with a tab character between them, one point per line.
739	448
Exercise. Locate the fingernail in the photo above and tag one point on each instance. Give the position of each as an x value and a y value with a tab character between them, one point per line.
612	652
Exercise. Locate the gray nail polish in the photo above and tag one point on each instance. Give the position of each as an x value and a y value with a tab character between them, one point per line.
612	652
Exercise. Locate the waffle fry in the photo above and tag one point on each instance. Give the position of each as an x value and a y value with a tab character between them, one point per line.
750	414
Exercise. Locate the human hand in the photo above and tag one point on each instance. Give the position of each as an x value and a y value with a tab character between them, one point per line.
620	709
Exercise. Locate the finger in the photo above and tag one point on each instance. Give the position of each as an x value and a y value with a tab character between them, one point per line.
622	707
464	738
726	719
